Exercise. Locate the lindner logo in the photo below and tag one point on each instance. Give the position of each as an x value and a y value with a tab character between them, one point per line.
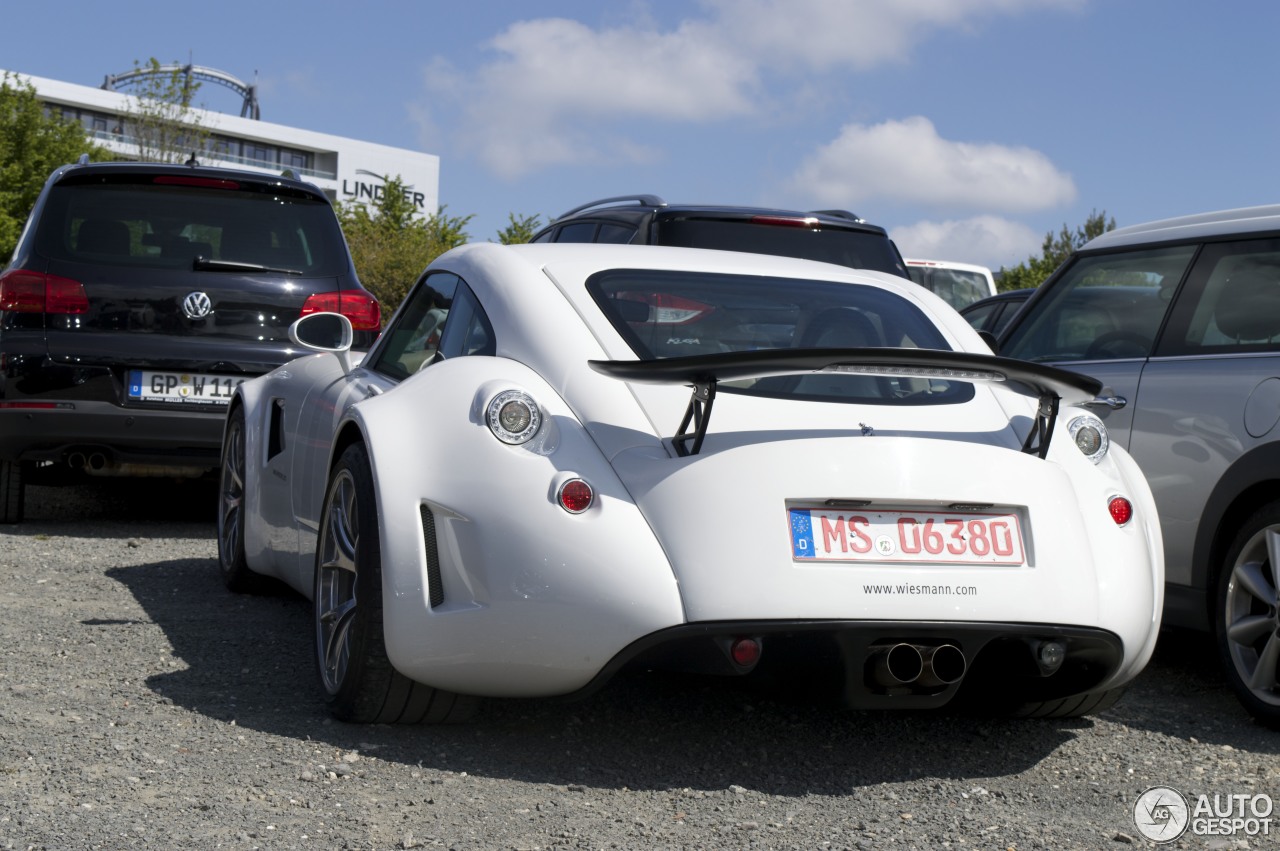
1161	814
197	305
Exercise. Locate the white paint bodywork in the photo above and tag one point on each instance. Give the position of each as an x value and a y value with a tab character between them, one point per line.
538	601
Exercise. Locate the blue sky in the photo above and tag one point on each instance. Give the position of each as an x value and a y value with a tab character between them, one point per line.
967	128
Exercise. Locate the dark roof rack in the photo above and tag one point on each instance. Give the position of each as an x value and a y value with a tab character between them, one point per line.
840	214
644	200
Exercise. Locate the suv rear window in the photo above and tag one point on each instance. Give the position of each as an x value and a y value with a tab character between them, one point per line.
852	248
664	314
162	225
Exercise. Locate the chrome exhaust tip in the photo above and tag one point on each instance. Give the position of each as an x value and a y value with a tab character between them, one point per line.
896	664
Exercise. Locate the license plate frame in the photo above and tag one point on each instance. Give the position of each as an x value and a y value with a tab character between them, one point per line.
174	387
927	536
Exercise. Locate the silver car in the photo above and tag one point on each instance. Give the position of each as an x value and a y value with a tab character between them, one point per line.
1180	320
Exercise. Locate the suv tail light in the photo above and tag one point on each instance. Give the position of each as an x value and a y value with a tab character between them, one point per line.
667	309
22	291
357	305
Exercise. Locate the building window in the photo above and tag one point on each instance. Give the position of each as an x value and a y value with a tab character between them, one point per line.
294	159
259	153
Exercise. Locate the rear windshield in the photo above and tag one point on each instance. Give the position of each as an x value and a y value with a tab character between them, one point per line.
664	314
854	248
144	224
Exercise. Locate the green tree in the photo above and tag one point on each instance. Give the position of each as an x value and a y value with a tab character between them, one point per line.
161	121
391	242
519	229
1055	250
32	145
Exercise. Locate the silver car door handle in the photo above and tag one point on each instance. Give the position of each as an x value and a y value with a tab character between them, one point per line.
1115	403
371	390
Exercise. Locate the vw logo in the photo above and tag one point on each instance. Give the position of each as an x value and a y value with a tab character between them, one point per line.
197	305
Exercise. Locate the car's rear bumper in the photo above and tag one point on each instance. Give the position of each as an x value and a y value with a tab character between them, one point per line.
987	663
104	437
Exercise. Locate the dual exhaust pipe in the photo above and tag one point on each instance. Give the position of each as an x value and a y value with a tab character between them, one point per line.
917	665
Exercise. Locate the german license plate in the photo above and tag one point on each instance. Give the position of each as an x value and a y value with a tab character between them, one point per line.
819	534
182	387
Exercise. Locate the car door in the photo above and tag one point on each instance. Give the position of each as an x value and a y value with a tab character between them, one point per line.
1100	315
408	343
1211	391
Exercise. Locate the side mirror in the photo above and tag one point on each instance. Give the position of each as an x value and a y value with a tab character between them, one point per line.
325	332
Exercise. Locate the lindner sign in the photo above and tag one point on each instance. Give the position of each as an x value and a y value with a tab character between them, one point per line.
370	192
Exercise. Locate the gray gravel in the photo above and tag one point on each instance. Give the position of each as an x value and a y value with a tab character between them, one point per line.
143	706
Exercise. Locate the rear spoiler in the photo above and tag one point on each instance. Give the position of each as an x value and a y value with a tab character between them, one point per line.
1049	385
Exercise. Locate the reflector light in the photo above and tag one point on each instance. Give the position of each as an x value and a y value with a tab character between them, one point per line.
22	291
1090	437
1121	510
40	406
357	305
745	652
575	496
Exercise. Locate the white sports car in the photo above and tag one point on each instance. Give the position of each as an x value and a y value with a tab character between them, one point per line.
559	460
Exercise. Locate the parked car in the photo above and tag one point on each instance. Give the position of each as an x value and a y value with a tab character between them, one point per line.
994	313
958	284
529	498
1181	320
832	236
138	297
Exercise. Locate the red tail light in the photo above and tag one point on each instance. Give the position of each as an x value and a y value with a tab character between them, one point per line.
667	309
22	291
1121	510
786	221
357	305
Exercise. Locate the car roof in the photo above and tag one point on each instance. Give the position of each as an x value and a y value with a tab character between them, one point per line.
1199	226
946	264
638	205
210	172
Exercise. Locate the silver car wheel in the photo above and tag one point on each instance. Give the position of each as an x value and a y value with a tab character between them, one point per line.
231	518
1252	615
335	599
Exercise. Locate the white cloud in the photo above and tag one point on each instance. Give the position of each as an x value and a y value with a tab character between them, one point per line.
553	85
529	108
908	162
986	240
857	34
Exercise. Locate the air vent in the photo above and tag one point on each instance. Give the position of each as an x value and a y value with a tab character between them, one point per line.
435	589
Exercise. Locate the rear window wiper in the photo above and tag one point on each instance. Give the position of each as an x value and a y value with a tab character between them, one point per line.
207	265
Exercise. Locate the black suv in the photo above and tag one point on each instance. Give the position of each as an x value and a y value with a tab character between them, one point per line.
832	236
139	296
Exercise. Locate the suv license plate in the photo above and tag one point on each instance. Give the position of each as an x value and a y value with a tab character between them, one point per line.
917	537
182	387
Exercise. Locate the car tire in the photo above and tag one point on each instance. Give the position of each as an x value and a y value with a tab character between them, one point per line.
1075	706
360	683
12	491
231	556
1247	619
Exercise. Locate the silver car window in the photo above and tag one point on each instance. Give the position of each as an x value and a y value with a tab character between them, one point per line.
1102	307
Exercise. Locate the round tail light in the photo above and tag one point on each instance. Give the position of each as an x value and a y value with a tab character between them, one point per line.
575	496
1121	510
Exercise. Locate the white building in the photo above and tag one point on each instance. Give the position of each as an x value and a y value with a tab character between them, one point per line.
346	169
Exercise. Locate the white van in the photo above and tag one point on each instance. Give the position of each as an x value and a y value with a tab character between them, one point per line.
959	284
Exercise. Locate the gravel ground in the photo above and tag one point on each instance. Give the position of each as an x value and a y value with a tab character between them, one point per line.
143	706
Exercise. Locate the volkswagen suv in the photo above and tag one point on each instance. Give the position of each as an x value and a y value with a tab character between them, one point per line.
139	296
